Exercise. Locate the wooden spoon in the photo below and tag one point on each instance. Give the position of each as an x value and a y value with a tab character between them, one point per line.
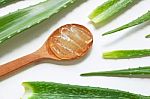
68	42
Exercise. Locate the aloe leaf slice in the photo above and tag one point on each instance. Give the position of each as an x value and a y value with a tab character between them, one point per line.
144	18
50	90
126	54
108	9
13	23
141	72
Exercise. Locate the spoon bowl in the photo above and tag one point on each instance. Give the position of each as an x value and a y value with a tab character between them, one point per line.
70	41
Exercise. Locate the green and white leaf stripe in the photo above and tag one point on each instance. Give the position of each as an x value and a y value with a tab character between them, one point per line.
108	9
50	90
13	23
126	54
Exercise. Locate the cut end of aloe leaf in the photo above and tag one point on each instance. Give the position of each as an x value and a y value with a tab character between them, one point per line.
108	9
28	91
111	55
90	17
50	90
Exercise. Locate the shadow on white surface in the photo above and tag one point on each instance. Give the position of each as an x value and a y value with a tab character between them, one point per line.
28	35
133	31
60	63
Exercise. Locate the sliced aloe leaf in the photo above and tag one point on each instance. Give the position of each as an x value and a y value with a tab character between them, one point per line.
108	9
144	18
141	72
13	23
49	90
126	54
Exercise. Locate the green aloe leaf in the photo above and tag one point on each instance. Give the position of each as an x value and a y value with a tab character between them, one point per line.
13	23
126	54
7	2
144	18
147	36
49	90
108	9
141	72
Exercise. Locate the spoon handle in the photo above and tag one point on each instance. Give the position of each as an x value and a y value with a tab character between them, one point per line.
18	63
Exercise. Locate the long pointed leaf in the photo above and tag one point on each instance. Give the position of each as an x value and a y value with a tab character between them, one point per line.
141	72
15	22
140	20
108	9
126	54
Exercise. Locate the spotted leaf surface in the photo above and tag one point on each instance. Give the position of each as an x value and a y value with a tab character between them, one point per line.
15	22
49	90
108	9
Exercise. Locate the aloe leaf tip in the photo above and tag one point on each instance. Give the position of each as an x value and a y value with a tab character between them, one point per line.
144	18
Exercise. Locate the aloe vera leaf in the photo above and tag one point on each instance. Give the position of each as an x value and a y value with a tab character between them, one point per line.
147	36
108	9
141	72
50	90
139	20
15	22
7	2
126	54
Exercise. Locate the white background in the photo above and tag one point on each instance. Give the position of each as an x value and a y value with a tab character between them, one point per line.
68	72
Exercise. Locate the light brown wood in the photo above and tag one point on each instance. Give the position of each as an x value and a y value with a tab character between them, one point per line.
42	53
47	51
18	63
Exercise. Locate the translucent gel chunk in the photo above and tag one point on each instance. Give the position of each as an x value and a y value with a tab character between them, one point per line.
70	42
